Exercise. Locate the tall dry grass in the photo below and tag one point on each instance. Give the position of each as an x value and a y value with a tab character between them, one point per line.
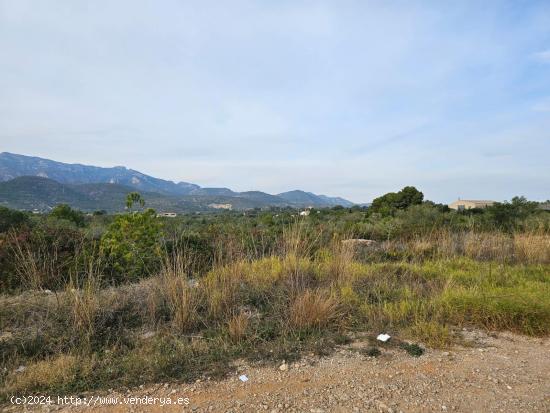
532	248
237	326
525	247
35	264
175	291
82	294
313	309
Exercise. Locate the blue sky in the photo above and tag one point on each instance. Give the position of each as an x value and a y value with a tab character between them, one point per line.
348	98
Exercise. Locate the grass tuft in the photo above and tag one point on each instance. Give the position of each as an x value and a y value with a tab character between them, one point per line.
313	310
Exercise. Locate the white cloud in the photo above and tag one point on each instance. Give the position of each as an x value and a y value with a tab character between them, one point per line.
543	56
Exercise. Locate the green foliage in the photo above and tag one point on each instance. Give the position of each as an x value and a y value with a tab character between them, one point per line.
412	349
389	203
506	215
134	198
64	211
10	218
132	245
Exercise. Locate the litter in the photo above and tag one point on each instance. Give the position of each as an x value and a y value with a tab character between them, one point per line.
383	337
243	378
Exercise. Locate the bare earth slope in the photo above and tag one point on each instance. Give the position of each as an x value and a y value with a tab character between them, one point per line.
504	373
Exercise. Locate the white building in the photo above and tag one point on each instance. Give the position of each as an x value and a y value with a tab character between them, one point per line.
167	214
463	204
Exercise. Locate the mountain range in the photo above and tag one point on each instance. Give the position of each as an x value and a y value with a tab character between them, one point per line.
28	182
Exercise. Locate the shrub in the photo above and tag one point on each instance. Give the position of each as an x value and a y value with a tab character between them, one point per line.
132	245
10	218
412	349
64	211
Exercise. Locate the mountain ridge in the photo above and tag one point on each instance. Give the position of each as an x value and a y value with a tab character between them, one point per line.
74	179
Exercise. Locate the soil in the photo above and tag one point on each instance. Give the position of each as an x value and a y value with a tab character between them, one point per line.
490	373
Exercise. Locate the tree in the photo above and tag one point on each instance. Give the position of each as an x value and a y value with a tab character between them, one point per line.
10	218
132	243
391	202
64	211
508	215
134	197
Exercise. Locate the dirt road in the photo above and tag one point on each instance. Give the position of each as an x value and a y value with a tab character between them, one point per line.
507	373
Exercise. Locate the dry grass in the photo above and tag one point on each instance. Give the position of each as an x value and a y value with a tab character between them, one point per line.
237	327
221	288
173	290
423	288
84	301
313	310
46	374
526	247
36	264
488	246
532	248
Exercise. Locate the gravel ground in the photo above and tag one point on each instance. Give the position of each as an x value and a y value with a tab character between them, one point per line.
504	373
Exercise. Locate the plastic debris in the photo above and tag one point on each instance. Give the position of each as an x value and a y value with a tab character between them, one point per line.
243	378
383	337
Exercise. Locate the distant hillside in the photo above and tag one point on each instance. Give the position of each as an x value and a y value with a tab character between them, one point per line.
264	198
13	166
212	191
307	198
28	182
34	192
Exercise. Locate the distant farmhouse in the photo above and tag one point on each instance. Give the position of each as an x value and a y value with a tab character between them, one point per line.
167	214
463	204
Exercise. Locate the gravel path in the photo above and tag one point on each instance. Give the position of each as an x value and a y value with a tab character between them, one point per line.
508	373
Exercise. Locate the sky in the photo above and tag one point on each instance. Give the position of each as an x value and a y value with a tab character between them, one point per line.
344	98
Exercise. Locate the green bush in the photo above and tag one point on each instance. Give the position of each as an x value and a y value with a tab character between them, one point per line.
10	218
132	245
391	202
64	211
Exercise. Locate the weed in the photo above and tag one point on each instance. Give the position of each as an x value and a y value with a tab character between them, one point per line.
412	349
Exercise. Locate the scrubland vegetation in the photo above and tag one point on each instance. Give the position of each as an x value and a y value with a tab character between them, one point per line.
91	302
